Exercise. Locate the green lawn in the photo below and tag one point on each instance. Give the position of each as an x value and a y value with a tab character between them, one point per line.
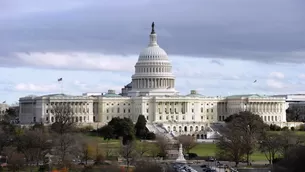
209	149
202	149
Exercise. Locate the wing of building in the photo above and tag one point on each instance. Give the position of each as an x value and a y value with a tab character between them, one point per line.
152	93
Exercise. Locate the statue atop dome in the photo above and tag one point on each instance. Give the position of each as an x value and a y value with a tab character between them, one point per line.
153	28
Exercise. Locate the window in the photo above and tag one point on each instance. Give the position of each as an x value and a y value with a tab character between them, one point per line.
207	110
128	110
192	110
183	117
211	110
147	110
166	117
107	117
107	110
124	110
118	110
201	110
201	117
176	117
193	117
160	117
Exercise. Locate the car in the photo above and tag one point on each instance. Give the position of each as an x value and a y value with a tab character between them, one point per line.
211	159
203	166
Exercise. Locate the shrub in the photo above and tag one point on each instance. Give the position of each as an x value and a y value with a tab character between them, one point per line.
150	136
292	128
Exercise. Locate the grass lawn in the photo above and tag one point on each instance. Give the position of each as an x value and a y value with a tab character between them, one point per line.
209	149
202	149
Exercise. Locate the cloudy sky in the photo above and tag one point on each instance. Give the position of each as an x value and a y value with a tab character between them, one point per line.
218	47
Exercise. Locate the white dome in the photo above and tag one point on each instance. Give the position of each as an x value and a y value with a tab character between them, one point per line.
153	53
153	71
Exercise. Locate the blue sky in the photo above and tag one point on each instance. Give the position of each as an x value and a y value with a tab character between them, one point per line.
216	47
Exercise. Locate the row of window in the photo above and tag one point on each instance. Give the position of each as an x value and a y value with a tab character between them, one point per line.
124	104
118	110
75	110
183	117
69	103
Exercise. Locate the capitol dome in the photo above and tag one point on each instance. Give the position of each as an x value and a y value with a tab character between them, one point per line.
153	71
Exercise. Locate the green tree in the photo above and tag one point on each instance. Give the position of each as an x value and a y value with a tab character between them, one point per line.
107	132
123	127
140	127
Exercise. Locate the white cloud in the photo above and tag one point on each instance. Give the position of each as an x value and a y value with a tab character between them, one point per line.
29	87
78	61
274	84
277	75
302	76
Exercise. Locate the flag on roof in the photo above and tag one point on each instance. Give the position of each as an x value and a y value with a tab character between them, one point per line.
59	79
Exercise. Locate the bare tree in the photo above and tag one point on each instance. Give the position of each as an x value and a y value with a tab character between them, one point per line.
288	140
65	146
87	150
142	148
128	152
270	145
188	142
64	122
34	144
293	162
250	127
162	144
15	160
144	166
231	146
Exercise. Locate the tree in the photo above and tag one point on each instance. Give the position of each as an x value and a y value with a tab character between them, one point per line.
86	149
123	127
64	122
143	166
293	162
140	127
107	132
14	158
34	145
288	140
128	152
294	113
142	148
250	127
188	142
270	146
231	145
162	145
65	146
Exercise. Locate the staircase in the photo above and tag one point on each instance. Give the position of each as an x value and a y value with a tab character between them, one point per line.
159	130
213	130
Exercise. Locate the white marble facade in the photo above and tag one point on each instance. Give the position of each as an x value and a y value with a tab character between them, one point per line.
152	93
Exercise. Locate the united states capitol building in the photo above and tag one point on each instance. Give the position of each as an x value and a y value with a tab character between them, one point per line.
152	93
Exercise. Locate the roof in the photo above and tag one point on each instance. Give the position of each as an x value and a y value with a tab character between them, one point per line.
194	95
56	95
129	85
247	95
111	95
